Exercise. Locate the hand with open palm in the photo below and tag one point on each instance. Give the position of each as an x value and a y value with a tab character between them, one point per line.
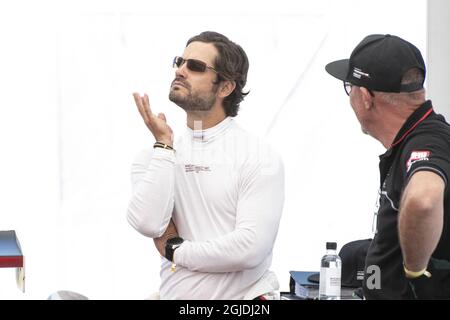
156	124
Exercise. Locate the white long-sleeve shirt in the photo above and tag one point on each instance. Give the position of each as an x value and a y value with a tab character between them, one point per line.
224	190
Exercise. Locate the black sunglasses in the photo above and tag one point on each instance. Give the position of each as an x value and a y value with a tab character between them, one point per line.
192	64
348	88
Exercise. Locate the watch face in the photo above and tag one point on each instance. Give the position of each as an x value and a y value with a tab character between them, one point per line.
175	241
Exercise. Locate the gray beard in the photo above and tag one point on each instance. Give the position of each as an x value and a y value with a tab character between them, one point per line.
364	130
192	102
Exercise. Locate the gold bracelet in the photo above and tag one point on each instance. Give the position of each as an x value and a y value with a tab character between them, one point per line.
416	274
162	145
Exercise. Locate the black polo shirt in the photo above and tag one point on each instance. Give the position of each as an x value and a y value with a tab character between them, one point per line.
423	143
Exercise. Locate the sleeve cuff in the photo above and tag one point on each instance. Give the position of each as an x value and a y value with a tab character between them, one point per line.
432	169
162	153
180	253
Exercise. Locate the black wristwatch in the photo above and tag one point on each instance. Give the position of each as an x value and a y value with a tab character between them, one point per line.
171	245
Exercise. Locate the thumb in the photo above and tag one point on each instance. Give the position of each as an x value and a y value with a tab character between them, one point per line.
162	116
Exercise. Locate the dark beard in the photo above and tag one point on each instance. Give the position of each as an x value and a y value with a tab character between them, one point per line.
193	102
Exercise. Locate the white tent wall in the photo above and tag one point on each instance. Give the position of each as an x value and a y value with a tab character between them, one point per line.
29	139
438	48
70	129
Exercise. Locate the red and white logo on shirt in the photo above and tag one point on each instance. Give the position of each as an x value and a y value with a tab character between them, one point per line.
417	155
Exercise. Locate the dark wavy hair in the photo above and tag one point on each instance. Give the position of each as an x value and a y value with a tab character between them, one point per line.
231	64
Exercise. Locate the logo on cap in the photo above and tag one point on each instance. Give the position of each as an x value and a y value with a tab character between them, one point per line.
358	73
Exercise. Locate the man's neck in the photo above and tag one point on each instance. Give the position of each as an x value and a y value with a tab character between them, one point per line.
391	124
201	120
388	131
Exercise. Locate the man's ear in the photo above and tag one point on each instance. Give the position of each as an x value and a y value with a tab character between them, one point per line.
367	98
226	88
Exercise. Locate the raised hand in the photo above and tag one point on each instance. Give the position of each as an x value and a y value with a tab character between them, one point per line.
156	124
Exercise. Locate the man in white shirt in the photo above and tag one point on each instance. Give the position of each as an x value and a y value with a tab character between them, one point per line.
212	201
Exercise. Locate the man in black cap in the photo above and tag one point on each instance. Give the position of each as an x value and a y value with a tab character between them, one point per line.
410	253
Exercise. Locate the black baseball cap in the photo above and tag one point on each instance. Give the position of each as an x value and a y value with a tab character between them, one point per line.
378	63
353	256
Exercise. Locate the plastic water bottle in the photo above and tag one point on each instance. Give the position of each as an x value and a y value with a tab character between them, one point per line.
330	274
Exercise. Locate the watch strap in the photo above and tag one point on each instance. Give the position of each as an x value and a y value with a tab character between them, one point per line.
171	245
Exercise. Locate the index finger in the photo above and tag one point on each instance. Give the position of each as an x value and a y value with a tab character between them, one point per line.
140	105
147	109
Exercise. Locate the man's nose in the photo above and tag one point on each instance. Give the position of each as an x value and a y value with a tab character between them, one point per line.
181	70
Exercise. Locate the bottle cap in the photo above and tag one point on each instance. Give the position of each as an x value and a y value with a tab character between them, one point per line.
331	245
